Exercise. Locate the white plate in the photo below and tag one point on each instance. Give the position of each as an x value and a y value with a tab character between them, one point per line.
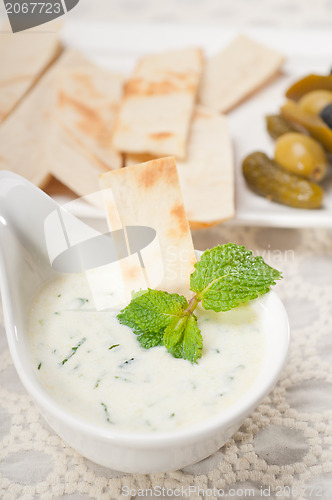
118	47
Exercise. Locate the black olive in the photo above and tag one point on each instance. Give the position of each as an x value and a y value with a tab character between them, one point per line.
326	115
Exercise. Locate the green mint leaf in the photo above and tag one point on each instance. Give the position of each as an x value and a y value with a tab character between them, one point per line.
173	334
183	338
229	275
136	294
148	340
150	313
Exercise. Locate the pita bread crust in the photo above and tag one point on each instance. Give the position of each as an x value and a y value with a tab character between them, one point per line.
149	194
158	103
237	72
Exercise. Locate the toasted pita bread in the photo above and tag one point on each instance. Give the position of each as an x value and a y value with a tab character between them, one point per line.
158	103
88	98
25	134
149	194
73	164
207	176
236	72
23	58
87	105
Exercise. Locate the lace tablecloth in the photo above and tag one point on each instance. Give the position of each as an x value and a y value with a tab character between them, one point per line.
283	450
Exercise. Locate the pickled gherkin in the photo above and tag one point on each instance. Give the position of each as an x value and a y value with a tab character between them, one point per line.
277	125
266	178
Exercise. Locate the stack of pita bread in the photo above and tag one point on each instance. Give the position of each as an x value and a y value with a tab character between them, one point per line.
64	117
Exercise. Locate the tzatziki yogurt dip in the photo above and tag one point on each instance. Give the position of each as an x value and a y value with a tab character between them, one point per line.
95	368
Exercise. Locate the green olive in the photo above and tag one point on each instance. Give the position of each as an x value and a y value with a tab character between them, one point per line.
313	102
301	155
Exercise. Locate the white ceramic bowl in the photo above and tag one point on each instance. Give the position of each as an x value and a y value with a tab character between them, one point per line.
24	267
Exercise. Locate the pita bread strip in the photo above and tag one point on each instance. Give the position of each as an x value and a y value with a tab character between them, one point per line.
88	99
237	72
24	57
158	104
73	164
25	134
149	194
207	176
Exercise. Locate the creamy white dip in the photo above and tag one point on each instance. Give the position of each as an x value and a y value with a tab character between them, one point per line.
95	367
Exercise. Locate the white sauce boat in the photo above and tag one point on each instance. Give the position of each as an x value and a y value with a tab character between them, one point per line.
25	266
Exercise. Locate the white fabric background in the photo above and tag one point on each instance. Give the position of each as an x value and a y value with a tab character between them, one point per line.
287	441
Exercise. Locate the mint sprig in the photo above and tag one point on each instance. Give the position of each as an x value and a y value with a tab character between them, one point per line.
150	313
225	276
